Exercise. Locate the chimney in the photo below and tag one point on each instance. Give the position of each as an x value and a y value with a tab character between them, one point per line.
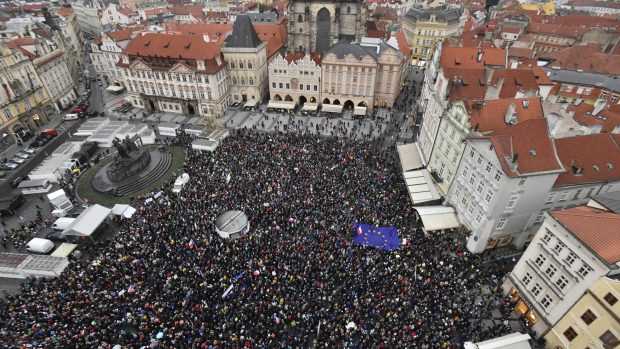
511	115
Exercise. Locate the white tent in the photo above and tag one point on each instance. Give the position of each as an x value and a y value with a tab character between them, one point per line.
281	105
88	221
421	186
409	156
204	144
331	108
438	217
310	106
359	110
123	210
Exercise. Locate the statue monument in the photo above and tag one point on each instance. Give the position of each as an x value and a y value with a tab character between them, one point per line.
129	160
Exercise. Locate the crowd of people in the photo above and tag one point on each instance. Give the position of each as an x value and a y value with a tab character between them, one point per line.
297	280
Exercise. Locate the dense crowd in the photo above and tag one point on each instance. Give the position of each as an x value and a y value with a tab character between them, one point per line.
297	279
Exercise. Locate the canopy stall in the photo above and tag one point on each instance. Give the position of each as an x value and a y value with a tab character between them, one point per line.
123	210
438	217
281	105
359	111
251	103
88	221
310	106
421	187
331	108
409	155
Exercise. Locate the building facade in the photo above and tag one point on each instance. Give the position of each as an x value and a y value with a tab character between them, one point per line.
106	52
568	254
592	321
314	26
115	14
247	68
295	78
53	70
87	16
424	27
23	97
175	73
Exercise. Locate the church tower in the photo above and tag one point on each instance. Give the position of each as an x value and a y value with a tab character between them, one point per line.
315	25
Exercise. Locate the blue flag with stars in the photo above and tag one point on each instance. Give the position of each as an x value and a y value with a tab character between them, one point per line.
383	238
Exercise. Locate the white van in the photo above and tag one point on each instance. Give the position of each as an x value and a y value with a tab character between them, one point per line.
62	223
70	117
38	245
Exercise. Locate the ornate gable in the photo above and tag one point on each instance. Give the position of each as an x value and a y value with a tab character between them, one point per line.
181	68
139	65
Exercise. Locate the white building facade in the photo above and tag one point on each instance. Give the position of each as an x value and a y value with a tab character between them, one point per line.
295	80
115	14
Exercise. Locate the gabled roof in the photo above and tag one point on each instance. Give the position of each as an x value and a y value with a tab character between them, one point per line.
528	145
514	81
597	229
26	41
344	47
592	158
469	83
271	33
217	32
471	57
186	10
243	34
124	34
487	116
556	30
64	11
587	58
403	44
608	117
296	56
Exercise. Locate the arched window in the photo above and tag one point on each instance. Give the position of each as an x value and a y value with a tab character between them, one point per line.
300	18
249	65
251	81
232	64
301	30
348	9
242	81
234	80
240	65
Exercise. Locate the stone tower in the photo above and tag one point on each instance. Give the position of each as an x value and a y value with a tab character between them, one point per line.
314	26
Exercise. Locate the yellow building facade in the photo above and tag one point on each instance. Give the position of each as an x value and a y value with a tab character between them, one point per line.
593	322
22	97
547	7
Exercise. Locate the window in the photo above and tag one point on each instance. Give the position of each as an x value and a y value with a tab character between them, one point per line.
588	317
547	237
480	158
561	282
584	270
536	289
564	196
501	223
512	202
522	181
609	339
472	153
465	170
273	84
551	270
498	175
540	260
539	218
489	196
546	301
478	217
570	334
550	198
480	187
559	247
610	299
8	114
527	279
457	192
472	179
489	167
464	200
571	258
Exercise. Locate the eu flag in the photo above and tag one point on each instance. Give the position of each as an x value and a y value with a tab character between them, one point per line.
384	238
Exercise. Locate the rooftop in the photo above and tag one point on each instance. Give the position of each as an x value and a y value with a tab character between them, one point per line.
450	15
587	159
472	57
243	34
490	115
597	229
587	58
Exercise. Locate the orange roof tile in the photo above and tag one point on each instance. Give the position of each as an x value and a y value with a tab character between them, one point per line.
470	83
530	143
403	44
514	81
556	30
585	20
597	229
179	47
124	34
26	41
588	58
472	58
184	10
64	11
490	116
608	117
580	155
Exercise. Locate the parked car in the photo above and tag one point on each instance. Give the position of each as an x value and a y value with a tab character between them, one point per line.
9	166
30	151
15	182
49	132
69	117
55	236
23	155
18	160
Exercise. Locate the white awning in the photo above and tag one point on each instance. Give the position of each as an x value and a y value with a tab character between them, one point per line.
311	106
409	155
359	111
421	187
438	217
123	210
281	105
88	221
332	108
113	88
251	103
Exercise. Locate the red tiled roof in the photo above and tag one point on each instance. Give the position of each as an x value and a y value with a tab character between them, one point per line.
471	83
594	3
27	41
125	11
64	11
608	117
585	20
509	29
597	229
217	31
184	10
34	7
588	58
530	143
403	44
296	56
271	33
50	58
519	52
156	11
490	116
556	30
124	34
467	57
179	47
583	153
514	81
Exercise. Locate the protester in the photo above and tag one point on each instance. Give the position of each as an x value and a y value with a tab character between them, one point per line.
295	280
